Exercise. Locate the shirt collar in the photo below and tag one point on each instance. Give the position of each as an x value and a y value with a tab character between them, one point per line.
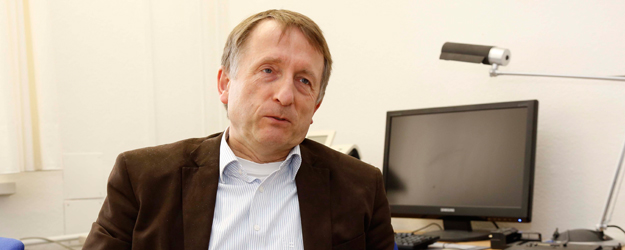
227	156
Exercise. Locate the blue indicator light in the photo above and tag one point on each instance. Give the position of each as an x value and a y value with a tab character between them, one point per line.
519	220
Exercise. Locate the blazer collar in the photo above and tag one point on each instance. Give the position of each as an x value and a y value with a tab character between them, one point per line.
199	192
313	191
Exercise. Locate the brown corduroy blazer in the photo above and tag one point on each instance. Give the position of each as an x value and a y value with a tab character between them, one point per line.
163	197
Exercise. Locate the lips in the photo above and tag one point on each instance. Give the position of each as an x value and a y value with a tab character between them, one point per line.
280	118
280	115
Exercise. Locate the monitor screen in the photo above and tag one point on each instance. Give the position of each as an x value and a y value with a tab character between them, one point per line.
467	161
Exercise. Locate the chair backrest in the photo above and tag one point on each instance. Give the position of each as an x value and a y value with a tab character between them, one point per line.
11	244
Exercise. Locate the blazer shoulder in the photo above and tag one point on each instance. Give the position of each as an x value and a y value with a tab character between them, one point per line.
179	153
337	162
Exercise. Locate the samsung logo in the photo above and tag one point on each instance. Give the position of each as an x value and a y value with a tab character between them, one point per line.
448	210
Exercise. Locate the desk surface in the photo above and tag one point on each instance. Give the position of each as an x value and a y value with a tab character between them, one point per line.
454	245
481	243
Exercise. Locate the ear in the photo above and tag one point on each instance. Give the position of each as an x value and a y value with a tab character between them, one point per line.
223	85
316	107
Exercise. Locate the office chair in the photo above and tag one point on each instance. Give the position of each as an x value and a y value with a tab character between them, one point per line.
10	244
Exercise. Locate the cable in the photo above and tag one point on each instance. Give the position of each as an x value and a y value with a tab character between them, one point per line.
615	226
47	240
431	224
495	223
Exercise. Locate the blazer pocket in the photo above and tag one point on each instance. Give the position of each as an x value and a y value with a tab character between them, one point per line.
356	243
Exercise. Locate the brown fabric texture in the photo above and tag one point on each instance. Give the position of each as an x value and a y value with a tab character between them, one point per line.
163	197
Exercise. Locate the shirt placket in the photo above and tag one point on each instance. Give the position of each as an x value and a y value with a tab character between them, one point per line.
259	215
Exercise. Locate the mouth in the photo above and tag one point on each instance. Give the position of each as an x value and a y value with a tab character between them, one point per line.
277	118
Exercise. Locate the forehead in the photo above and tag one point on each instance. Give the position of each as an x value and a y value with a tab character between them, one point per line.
271	39
270	29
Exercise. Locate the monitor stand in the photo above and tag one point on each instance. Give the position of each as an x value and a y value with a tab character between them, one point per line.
459	230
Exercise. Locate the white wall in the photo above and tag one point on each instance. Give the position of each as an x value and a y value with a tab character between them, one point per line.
132	74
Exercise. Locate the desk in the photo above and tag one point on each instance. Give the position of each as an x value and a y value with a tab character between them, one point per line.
482	243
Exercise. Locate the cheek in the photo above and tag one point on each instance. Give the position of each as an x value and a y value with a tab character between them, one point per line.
251	87
246	99
239	94
307	113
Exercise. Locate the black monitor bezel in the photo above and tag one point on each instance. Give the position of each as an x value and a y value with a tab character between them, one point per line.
524	214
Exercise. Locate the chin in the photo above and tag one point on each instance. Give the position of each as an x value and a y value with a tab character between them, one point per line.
280	139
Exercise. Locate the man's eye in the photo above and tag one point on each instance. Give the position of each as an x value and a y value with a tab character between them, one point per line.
305	81
268	71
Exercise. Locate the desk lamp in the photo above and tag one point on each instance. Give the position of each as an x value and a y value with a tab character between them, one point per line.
491	55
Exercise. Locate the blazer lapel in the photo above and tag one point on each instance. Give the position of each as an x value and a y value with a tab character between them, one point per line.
313	191
199	191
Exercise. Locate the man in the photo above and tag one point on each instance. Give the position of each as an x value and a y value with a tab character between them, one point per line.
260	184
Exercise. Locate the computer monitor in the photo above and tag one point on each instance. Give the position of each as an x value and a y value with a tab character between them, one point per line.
462	163
324	137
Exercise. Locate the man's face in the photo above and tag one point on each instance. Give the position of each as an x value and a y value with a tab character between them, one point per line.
271	100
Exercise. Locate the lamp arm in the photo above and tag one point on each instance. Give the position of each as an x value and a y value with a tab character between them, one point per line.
494	73
605	219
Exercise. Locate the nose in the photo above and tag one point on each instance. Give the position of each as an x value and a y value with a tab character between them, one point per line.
284	91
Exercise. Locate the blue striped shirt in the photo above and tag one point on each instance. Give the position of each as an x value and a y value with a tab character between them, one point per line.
255	214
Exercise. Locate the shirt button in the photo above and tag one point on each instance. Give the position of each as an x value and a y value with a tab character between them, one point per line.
256	227
261	189
240	172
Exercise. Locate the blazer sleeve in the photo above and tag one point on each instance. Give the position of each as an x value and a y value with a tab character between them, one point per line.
114	227
380	234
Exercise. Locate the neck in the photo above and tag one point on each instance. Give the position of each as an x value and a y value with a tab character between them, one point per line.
258	154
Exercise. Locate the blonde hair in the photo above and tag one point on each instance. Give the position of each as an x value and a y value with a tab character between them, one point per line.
287	19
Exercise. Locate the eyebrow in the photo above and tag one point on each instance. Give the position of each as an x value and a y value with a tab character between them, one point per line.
270	60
